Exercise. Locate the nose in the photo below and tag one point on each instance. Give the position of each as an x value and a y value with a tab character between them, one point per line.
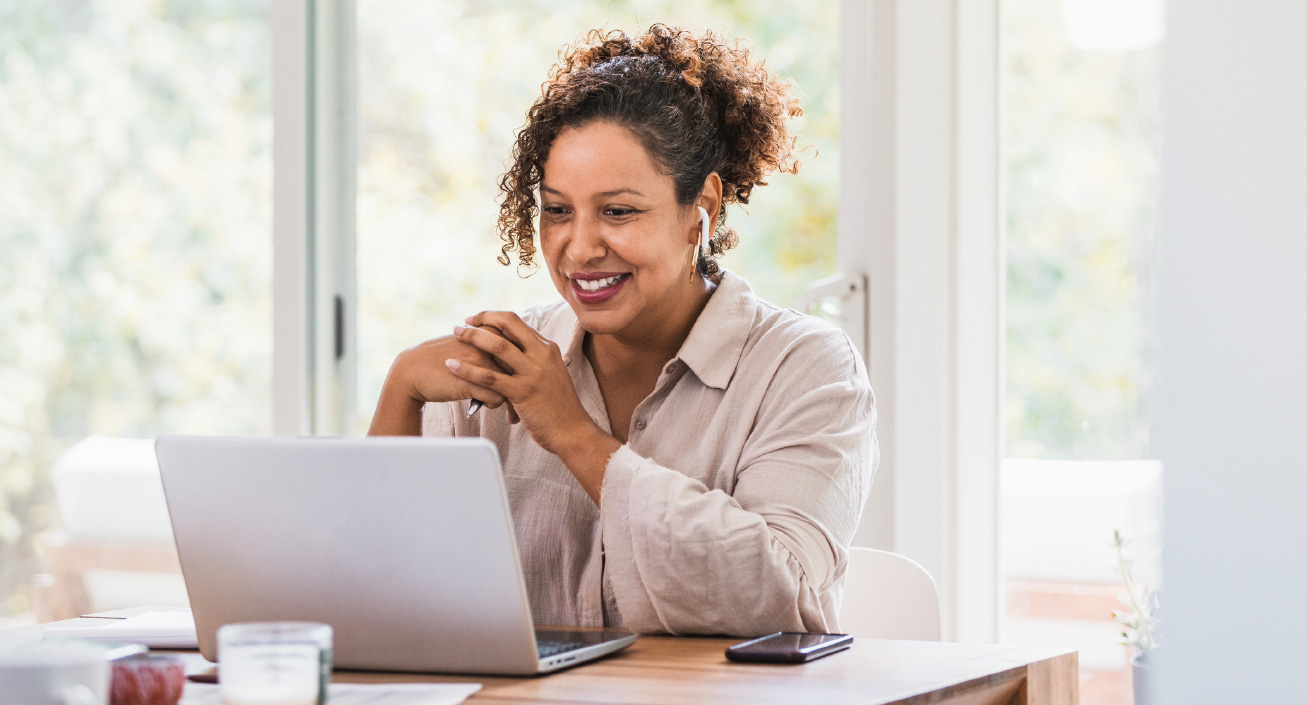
586	240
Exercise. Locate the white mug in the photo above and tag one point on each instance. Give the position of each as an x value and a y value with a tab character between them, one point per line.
58	673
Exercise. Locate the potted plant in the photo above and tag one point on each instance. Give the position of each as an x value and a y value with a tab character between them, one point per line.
1138	617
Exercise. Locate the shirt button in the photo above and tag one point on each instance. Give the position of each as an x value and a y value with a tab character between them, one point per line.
671	368
639	424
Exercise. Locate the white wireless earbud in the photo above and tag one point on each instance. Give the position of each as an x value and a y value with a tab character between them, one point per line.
704	223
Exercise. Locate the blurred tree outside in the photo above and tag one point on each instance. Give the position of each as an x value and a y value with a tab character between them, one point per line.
1080	159
1081	149
135	237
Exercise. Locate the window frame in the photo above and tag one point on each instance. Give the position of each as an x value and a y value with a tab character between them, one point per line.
921	216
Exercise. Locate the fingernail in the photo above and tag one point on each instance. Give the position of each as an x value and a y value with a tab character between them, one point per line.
452	364
458	330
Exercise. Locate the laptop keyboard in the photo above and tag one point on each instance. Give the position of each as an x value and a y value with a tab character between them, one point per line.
551	648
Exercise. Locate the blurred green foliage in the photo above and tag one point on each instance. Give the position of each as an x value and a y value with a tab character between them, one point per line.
1081	150
135	237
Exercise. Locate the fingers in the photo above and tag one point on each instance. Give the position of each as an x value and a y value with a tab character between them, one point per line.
514	329
489	397
496	382
498	347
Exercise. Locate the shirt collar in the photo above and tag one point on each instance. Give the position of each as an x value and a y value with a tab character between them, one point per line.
575	344
716	341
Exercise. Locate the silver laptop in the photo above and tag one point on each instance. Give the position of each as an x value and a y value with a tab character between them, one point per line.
405	546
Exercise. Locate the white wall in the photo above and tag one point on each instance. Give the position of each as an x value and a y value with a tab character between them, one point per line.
1232	311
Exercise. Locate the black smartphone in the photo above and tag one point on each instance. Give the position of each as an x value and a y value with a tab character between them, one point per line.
788	647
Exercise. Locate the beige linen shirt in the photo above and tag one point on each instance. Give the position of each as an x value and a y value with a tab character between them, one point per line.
732	505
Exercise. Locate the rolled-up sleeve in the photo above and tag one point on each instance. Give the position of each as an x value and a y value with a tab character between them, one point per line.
438	419
683	558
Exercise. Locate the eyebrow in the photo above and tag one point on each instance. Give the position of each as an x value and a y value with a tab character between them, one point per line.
605	194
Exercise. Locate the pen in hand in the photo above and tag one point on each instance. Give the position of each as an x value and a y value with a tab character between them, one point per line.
476	404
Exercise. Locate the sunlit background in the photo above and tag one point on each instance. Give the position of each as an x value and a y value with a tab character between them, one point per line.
1081	151
135	267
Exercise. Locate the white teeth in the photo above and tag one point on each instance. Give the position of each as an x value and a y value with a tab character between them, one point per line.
597	284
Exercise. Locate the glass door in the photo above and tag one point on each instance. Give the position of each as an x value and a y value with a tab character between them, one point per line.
1081	165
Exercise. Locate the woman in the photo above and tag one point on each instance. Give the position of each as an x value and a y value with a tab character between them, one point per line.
679	455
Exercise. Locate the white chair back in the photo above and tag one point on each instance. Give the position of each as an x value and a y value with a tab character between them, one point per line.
888	596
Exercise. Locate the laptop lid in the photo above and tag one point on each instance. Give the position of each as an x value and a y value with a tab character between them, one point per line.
405	546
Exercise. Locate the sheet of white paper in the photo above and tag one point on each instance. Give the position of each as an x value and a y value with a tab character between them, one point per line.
170	628
356	694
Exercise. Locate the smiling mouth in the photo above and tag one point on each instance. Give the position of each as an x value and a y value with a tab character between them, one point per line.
592	285
597	288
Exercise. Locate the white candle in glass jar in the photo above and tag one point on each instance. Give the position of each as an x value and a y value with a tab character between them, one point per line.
270	674
274	663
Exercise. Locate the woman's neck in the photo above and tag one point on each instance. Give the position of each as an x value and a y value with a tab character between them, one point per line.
648	346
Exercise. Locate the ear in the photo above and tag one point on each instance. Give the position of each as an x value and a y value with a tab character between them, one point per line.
710	199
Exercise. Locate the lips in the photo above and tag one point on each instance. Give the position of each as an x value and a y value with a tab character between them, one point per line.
597	287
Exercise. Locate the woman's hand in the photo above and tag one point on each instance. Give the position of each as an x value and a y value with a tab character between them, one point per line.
532	377
420	375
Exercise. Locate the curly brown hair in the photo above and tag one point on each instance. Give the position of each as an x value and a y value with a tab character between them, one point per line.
697	105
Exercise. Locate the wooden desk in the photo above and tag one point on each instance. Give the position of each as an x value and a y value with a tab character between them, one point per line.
694	670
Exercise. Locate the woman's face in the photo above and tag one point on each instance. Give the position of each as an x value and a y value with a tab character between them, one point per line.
618	246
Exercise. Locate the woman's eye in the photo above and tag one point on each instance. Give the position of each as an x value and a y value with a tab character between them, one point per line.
620	212
555	210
